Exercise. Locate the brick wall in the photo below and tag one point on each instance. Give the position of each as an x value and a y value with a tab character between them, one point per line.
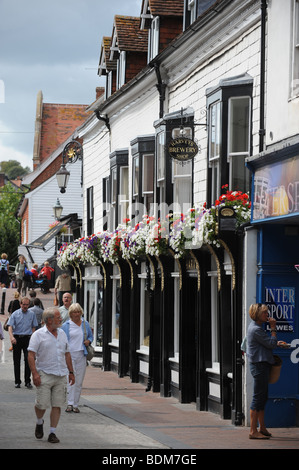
58	122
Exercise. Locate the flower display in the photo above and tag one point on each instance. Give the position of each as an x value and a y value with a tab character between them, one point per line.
180	232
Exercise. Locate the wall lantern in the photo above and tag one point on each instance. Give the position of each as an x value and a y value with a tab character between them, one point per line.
71	153
57	210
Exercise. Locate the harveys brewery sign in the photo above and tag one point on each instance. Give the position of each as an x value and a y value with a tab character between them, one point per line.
182	149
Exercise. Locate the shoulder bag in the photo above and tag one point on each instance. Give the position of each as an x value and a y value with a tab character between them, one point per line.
90	348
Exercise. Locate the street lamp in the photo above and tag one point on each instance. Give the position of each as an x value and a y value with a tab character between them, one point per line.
57	210
72	152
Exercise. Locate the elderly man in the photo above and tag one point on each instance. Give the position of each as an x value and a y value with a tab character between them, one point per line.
64	309
21	324
50	363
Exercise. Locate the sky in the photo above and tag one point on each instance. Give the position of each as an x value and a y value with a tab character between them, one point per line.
53	46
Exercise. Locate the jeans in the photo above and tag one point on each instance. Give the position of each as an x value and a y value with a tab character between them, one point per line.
260	372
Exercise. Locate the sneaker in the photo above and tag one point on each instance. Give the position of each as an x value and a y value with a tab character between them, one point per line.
17	385
28	386
53	439
39	431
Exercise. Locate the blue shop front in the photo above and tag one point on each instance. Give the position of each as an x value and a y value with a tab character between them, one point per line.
275	215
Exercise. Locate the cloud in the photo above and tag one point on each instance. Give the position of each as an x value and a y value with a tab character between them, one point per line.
54	47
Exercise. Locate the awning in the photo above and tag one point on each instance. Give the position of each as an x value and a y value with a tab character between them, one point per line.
42	241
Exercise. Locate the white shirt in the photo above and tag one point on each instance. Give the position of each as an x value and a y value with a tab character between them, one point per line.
76	337
50	351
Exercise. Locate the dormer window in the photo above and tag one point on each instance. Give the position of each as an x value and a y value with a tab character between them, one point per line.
121	69
153	39
192	10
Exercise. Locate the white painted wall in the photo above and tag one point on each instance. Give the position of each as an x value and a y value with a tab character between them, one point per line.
282	117
41	201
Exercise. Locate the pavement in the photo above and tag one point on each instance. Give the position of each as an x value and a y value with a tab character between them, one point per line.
118	414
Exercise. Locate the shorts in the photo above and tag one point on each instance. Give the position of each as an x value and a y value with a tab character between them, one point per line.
52	391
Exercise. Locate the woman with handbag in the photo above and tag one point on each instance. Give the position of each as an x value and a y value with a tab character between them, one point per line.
79	342
259	350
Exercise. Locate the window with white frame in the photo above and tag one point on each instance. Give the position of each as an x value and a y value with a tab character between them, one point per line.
136	175
124	194
121	69
113	195
215	359
153	42
182	174
214	148
229	135
239	112
192	9
161	165
148	181
144	337
115	317
295	51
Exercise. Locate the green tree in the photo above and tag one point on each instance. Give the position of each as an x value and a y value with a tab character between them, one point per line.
9	224
13	169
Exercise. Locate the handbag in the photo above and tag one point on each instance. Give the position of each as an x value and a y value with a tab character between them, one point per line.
90	348
56	300
275	370
5	326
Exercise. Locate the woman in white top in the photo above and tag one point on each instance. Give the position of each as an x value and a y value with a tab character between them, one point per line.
74	329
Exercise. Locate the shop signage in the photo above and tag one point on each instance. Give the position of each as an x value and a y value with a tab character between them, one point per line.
182	149
276	190
281	305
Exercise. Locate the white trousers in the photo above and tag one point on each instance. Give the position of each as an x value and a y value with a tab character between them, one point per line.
79	366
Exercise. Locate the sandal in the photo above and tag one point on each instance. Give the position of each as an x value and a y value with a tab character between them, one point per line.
69	408
76	410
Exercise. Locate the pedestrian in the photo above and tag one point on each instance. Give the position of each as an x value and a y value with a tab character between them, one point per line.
63	285
21	324
20	275
64	309
32	295
74	329
38	309
12	306
46	274
50	362
4	270
34	271
259	350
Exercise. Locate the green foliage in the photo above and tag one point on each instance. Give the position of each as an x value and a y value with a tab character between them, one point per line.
13	169
9	225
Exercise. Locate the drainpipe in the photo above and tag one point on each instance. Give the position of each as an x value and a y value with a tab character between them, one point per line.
161	86
262	130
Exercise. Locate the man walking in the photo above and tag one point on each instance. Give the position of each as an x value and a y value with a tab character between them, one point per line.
64	309
21	324
50	362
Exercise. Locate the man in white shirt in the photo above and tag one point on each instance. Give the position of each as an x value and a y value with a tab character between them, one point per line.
64	309
50	362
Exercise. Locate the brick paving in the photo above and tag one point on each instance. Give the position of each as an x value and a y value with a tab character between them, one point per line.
174	425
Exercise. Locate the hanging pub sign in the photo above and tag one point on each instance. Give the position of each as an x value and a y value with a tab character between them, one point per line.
182	149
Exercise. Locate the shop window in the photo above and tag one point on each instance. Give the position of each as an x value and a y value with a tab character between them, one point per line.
144	309
93	308
229	135
176	317
215	359
90	303
116	295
